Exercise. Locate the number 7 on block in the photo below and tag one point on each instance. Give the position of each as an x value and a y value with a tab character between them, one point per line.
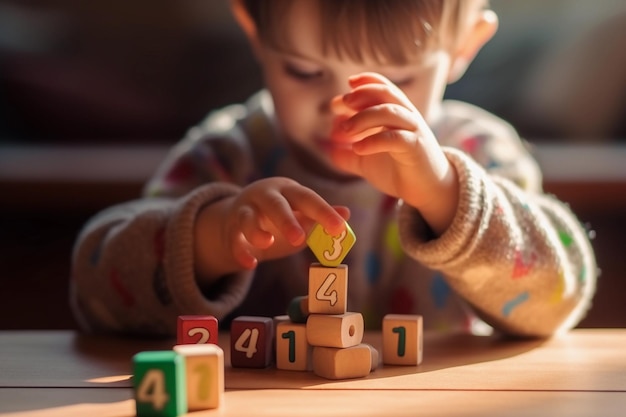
328	289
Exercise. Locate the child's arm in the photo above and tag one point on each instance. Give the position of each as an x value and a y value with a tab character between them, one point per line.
267	219
393	148
188	246
133	266
519	257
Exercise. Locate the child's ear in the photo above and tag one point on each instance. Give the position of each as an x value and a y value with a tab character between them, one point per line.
478	35
247	24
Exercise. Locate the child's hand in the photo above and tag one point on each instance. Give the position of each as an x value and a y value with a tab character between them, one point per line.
268	219
393	148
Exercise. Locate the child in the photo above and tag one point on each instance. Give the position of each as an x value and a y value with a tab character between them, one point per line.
446	203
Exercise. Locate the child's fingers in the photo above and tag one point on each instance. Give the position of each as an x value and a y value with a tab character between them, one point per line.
348	161
339	107
241	252
376	89
386	141
275	210
368	78
251	229
343	211
386	116
281	209
310	205
370	95
389	116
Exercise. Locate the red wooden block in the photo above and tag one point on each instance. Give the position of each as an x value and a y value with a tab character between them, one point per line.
251	342
197	330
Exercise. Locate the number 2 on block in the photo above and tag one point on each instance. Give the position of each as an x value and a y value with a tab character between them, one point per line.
151	390
324	294
204	334
251	336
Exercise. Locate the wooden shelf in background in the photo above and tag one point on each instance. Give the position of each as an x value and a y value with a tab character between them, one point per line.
93	177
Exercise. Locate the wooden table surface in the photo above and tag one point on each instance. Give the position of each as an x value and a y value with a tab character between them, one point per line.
583	373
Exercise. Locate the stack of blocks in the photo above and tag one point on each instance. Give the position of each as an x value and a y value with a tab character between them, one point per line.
318	334
190	377
325	338
321	335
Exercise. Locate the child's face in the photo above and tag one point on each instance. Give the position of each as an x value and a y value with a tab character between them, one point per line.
303	81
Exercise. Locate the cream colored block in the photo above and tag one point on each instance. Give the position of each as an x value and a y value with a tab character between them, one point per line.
281	319
402	339
293	352
337	330
278	319
328	289
375	357
205	375
336	363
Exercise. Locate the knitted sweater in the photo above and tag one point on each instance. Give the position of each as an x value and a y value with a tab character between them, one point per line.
514	257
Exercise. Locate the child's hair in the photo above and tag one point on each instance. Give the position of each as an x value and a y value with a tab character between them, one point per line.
393	30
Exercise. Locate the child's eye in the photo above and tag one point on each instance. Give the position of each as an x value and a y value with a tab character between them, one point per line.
301	74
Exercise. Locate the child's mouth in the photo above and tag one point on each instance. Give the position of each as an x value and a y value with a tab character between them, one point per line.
327	145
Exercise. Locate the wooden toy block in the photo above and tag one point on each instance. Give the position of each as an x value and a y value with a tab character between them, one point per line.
159	384
251	342
330	250
402	339
298	309
338	330
293	352
328	289
278	319
375	357
205	375
196	330
353	362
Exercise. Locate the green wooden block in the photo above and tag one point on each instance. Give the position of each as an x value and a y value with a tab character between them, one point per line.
159	384
298	309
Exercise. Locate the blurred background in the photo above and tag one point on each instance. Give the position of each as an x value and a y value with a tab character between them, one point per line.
92	94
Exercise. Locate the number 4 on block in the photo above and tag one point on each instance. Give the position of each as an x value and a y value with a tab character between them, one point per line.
251	342
159	384
402	339
328	289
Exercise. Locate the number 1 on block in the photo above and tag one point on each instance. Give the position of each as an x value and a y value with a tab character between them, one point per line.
293	352
205	375
402	339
